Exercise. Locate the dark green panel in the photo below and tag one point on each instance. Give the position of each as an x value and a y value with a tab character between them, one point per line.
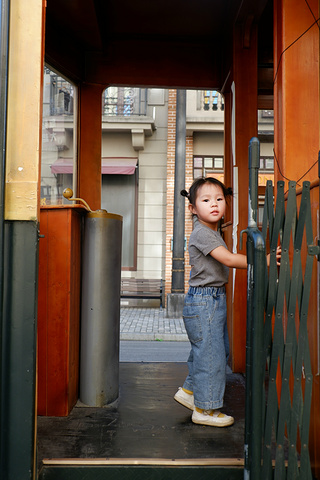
287	350
284	411
18	375
141	473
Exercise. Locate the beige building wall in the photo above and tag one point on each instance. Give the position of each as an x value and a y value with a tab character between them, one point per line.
117	144
152	175
266	149
208	143
152	198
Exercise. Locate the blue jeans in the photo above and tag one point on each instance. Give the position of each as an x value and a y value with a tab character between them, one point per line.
205	319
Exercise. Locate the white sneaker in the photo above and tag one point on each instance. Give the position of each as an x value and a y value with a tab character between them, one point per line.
184	398
215	419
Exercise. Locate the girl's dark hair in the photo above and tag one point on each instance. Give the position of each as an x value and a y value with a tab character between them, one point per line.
192	194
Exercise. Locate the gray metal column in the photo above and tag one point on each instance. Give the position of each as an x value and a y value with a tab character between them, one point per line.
179	201
176	297
100	312
175	300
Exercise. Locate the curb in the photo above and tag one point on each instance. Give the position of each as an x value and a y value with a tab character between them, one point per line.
169	337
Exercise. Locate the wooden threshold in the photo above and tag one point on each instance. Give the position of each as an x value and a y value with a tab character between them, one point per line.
238	462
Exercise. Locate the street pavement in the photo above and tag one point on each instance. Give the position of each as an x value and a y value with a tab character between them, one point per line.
147	335
153	351
150	324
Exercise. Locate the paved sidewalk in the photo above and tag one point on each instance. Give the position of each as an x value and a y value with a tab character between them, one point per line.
150	324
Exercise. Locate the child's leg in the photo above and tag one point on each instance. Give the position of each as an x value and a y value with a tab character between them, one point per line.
184	395
205	320
226	342
188	383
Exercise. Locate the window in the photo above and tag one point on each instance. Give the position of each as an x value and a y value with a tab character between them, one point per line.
124	101
267	113
58	142
120	195
208	166
267	164
210	100
266	172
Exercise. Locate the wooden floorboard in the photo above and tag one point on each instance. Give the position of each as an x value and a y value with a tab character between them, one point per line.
146	423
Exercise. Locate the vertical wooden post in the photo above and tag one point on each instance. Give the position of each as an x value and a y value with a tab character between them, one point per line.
244	125
227	230
89	135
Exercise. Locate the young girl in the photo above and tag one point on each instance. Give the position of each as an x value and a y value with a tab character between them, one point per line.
204	313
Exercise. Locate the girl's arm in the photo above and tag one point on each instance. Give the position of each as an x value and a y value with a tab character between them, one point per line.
237	260
232	260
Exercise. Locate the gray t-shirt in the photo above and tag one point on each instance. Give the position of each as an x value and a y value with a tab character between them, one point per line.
206	271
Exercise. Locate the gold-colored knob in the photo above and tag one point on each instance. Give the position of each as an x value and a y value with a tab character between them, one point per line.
68	194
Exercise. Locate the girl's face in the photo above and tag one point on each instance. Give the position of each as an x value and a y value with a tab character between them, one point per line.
210	205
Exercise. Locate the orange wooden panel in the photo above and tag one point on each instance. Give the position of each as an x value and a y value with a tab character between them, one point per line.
246	127
58	310
89	135
296	89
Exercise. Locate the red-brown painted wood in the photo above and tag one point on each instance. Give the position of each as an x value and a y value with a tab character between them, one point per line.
89	141
244	107
58	309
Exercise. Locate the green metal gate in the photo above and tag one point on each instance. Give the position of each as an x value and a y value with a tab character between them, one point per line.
278	366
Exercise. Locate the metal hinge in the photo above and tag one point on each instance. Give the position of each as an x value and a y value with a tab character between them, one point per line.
314	250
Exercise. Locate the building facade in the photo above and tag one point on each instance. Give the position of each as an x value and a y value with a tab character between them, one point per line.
137	163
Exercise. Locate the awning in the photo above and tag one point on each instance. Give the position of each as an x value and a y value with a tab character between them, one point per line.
62	165
118	165
109	165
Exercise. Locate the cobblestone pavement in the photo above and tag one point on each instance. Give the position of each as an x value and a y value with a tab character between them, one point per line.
150	324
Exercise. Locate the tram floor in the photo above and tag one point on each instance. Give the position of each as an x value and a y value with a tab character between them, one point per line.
145	422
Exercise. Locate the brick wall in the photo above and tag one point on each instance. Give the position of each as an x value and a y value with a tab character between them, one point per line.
170	190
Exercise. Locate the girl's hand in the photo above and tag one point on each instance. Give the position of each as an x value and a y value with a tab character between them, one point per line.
278	256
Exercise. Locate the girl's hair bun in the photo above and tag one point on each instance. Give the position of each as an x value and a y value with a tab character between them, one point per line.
229	191
184	193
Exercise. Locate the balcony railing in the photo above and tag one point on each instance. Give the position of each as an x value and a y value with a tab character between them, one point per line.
210	100
124	101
